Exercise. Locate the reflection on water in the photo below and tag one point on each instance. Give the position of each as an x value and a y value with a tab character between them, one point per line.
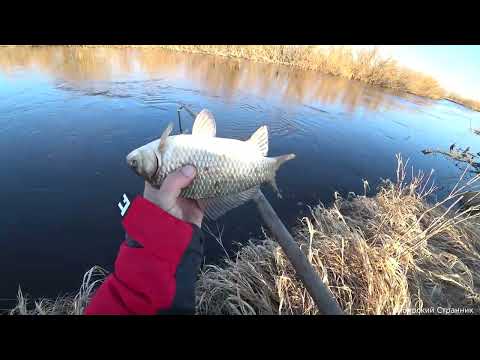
69	115
220	76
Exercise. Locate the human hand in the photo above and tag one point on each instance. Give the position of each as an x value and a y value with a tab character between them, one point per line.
167	197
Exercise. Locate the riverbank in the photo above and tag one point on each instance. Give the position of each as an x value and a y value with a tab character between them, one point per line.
393	253
364	65
472	104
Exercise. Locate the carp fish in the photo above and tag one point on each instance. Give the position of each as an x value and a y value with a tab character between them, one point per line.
229	171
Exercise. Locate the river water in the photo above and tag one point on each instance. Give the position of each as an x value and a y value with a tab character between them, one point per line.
69	116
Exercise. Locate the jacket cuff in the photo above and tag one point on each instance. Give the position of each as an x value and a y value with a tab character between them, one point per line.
160	233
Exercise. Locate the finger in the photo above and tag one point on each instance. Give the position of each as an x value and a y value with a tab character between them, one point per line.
202	205
176	181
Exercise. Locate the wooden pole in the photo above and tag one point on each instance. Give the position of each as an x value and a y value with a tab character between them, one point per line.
304	270
316	288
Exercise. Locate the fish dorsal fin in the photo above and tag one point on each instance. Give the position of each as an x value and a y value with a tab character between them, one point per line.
216	207
260	140
164	136
204	124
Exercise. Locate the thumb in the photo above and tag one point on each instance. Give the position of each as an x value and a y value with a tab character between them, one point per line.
176	181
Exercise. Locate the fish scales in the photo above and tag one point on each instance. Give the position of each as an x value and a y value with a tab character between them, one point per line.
224	166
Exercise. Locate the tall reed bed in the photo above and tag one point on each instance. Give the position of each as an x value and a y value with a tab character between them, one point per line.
365	65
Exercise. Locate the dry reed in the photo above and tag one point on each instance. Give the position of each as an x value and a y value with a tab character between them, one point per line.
365	65
62	305
388	254
472	104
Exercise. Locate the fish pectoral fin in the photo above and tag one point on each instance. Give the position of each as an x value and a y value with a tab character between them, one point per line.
204	124
279	160
216	207
260	140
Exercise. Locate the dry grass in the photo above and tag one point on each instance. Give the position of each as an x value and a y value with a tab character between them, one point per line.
365	65
388	254
62	305
472	104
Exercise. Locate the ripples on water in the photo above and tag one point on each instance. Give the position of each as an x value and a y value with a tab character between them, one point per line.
69	115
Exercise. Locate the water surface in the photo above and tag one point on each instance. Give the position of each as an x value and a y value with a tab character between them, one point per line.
68	117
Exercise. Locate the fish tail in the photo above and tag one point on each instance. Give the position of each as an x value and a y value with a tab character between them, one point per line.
279	160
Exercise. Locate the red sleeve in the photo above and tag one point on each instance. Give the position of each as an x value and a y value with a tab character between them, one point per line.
156	272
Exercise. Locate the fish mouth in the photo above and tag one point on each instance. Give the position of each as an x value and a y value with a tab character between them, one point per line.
132	162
